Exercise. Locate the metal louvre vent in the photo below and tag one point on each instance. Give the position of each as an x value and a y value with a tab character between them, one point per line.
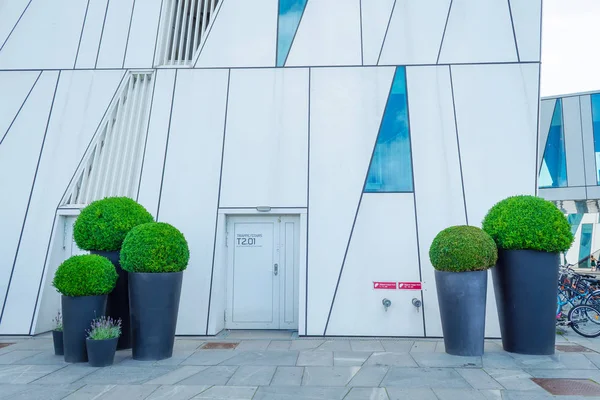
184	26
112	164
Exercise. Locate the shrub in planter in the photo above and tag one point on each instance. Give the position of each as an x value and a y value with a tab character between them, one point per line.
461	256
155	255
84	282
101	228
530	233
57	335
101	341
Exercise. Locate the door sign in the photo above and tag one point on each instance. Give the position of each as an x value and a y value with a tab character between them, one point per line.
248	240
384	285
409	285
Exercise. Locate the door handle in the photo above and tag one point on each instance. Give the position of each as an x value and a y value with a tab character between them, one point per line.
276	269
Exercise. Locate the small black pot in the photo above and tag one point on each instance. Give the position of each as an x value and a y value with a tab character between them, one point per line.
101	353
461	296
154	305
78	314
525	283
57	338
117	305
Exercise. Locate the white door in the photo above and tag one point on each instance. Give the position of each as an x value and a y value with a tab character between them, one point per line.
262	284
69	244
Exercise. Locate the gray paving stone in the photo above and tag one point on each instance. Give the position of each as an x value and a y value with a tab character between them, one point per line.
7	390
328	376
228	392
499	361
45	358
305	344
350	358
218	375
178	392
177	375
179	356
187	344
70	374
478	378
391	359
459	394
410	394
299	393
366	345
279	345
369	376
513	379
33	344
594	358
557	361
492	394
565	373
42	392
424	378
315	358
89	392
122	375
288	376
21	374
209	357
443	360
253	345
17	355
397	346
367	393
492	347
129	392
252	376
258	334
335	345
440	347
527	395
273	358
423	347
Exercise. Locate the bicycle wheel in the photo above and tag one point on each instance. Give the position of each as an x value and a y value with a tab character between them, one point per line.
584	320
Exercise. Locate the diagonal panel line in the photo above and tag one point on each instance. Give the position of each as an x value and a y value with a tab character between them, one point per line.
20	108
386	32
217	11
81	34
512	24
128	33
444	34
295	34
15	26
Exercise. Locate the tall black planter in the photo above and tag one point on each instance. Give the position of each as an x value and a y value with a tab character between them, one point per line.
461	296
57	339
78	313
525	287
117	305
154	304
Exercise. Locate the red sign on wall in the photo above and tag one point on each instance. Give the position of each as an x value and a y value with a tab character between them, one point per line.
409	285
384	285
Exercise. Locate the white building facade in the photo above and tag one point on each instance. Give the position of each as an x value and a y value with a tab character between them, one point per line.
309	150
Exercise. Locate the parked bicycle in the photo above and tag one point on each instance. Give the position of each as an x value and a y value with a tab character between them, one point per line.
578	302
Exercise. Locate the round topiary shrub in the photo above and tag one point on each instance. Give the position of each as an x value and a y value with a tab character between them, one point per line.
85	275
528	223
103	224
155	247
463	248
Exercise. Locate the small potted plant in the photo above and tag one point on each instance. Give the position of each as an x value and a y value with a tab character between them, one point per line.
102	340
155	255
84	282
530	233
461	256
101	228
57	335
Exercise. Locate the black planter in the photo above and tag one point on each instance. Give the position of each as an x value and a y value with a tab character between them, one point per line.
57	338
154	304
101	353
117	305
78	314
525	283
461	296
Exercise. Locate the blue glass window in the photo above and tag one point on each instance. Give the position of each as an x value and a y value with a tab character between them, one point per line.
391	166
585	244
574	220
290	12
554	164
596	124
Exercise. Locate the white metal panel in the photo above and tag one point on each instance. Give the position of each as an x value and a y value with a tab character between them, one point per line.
154	157
266	143
115	34
218	298
243	34
375	18
19	154
10	12
573	141
479	31
496	111
142	37
546	113
383	247
564	193
415	32
191	182
289	272
436	169
90	37
346	109
329	34
527	17
57	26
15	88
81	100
587	132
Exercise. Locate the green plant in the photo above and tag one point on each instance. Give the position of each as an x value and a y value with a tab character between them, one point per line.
155	247
463	248
104	328
58	324
528	223
85	275
103	224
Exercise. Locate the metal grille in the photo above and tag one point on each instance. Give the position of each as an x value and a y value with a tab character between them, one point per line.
112	164
184	26
573	348
569	387
219	345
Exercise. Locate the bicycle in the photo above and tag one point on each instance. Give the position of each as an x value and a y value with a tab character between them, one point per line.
582	294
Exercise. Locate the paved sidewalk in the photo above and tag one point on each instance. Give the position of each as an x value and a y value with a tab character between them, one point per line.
277	366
